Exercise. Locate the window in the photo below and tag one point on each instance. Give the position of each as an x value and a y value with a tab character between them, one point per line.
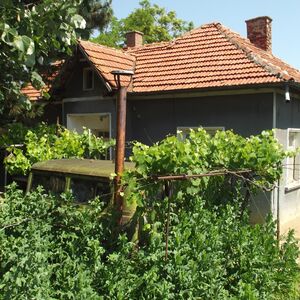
185	131
88	79
293	163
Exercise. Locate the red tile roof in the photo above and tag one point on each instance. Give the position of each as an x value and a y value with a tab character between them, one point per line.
49	76
210	56
32	93
107	59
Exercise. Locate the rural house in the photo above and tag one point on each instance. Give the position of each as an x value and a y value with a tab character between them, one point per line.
211	77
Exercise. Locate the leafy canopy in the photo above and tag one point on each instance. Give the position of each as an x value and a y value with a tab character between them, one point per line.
154	21
34	34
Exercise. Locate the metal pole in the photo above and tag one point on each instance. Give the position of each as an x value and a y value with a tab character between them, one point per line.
120	146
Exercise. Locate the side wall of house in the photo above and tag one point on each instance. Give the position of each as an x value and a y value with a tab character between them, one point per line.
152	120
288	201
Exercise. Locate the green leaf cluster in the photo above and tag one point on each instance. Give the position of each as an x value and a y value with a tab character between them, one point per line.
52	142
200	153
213	251
33	35
50	249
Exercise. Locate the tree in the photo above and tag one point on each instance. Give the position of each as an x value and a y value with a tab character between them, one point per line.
97	14
155	22
35	33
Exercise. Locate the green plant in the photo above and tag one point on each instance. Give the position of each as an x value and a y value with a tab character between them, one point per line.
50	249
196	243
43	144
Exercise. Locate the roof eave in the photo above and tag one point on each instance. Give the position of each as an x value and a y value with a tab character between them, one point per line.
211	89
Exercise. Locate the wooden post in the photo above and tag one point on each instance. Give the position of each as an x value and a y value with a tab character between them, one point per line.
120	147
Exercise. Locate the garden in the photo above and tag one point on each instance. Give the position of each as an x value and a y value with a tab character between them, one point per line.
188	239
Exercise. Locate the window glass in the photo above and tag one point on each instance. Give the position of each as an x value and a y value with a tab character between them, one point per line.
293	163
88	79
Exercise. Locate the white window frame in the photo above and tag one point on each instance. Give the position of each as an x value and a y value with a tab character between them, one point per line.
84	79
183	131
293	163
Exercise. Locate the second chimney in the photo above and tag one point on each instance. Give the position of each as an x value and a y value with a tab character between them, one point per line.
259	32
134	39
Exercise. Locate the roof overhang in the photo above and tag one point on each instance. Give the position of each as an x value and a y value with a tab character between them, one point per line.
214	91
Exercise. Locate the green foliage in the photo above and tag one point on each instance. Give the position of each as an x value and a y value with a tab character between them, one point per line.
44	143
32	36
57	250
155	22
50	249
213	252
200	153
211	255
13	134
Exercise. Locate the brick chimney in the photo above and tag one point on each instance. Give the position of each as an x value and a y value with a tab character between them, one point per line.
134	39
259	32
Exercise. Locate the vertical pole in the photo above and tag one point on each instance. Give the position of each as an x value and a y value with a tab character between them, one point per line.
120	147
278	211
168	193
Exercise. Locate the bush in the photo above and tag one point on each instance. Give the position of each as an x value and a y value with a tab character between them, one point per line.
49	247
44	143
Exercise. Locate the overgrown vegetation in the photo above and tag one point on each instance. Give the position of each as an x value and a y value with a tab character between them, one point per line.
53	249
50	142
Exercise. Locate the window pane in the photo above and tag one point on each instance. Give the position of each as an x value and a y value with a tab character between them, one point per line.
88	79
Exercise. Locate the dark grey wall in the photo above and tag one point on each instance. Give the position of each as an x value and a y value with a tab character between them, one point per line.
288	114
152	120
74	86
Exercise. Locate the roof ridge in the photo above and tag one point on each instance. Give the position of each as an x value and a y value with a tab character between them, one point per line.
254	57
171	43
121	51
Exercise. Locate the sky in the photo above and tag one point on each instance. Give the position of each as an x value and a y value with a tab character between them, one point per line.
232	14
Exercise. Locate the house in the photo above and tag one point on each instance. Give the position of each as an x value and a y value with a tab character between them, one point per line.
210	77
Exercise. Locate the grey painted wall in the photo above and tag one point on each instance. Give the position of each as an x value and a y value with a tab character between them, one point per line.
149	121
152	120
287	114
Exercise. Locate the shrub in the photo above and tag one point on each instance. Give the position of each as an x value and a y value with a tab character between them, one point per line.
45	143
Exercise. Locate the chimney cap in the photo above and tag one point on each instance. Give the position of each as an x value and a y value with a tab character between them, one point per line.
134	31
257	18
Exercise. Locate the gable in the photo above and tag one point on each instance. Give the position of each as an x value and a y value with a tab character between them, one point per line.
77	84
